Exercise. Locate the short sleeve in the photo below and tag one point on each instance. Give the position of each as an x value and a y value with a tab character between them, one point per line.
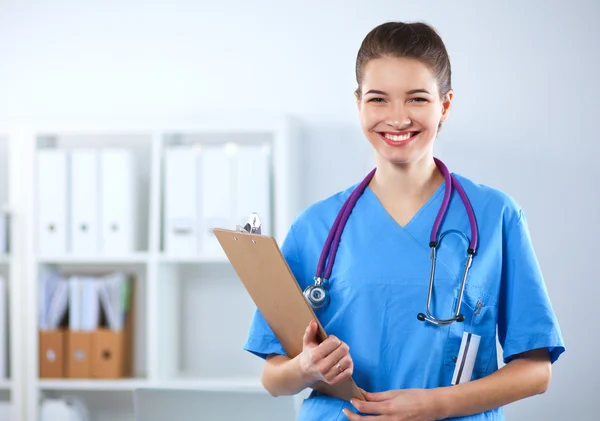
526	320
261	340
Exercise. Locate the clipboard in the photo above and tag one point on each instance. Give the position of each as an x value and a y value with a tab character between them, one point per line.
260	265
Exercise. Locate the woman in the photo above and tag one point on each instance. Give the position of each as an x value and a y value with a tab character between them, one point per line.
410	367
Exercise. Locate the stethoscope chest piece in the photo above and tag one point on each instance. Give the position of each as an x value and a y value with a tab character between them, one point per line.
316	294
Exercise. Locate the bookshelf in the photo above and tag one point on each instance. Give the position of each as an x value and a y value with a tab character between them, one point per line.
191	313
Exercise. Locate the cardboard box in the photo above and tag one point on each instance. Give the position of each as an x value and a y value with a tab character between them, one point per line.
101	353
113	350
111	355
52	353
79	354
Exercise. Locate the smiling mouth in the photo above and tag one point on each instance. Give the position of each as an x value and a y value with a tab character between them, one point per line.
399	137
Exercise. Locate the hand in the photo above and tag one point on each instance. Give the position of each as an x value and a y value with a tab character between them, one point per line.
395	405
328	361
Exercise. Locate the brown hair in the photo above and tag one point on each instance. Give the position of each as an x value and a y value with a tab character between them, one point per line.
411	40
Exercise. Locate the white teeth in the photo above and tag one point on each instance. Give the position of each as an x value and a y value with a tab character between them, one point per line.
399	138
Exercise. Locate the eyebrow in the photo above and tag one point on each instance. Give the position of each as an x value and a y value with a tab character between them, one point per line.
413	91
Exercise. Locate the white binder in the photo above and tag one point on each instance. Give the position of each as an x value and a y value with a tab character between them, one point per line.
118	200
52	194
84	225
180	202
216	194
4	232
252	185
3	328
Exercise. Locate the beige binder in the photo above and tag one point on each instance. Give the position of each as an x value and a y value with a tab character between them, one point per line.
268	279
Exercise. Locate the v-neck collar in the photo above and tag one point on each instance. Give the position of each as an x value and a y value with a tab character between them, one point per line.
418	215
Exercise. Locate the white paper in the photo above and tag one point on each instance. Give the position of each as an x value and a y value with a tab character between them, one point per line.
466	358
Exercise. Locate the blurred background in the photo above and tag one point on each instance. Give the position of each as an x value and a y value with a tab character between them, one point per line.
525	77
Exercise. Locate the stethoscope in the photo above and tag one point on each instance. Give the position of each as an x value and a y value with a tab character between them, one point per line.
317	294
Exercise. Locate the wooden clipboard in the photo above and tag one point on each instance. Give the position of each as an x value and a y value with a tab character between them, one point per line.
263	270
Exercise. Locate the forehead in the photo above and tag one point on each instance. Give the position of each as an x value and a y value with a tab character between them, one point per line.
393	74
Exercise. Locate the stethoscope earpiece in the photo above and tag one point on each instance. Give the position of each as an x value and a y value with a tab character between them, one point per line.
421	317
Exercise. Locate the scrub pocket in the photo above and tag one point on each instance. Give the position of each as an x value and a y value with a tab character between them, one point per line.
480	319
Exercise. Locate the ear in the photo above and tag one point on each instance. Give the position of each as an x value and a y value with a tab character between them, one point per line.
446	102
357	100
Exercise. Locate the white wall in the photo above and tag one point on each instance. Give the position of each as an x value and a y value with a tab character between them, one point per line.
525	76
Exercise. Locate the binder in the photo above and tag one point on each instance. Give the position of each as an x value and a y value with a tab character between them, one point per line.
180	202
252	184
84	202
215	175
3	328
261	267
52	192
118	201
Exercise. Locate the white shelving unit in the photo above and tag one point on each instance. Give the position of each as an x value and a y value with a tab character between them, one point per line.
11	387
191	312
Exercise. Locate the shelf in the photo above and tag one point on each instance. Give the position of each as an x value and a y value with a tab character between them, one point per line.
92	384
209	385
164	258
215	385
99	259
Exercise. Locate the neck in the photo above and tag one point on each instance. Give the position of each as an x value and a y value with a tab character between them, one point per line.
416	180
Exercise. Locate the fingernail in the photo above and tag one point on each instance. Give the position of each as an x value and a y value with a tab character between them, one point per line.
353	402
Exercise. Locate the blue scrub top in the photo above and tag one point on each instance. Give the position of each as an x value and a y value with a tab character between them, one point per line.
380	280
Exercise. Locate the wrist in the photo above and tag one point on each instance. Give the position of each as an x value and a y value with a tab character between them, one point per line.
306	376
442	403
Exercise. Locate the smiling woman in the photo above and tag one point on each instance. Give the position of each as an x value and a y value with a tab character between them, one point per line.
409	320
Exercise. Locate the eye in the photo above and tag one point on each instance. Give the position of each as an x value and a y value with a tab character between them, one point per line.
418	100
376	99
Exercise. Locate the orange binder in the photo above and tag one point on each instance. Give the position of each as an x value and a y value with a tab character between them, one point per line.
270	282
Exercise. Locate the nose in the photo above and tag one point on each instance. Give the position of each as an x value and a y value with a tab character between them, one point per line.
398	117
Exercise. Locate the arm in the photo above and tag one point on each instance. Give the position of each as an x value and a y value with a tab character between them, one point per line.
521	378
328	361
282	376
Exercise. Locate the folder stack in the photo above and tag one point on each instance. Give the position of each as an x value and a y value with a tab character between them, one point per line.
87	201
4	231
86	325
213	185
3	328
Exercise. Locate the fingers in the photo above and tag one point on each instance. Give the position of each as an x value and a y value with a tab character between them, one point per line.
355	417
377	408
336	355
325	348
341	371
380	396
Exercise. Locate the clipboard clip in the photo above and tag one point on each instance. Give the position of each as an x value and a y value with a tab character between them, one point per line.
252	226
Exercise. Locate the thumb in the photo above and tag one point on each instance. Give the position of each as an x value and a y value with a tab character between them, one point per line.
310	334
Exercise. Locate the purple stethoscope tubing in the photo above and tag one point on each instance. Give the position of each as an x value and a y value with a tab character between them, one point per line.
317	295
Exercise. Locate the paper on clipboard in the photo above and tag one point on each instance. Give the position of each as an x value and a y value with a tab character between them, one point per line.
261	267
